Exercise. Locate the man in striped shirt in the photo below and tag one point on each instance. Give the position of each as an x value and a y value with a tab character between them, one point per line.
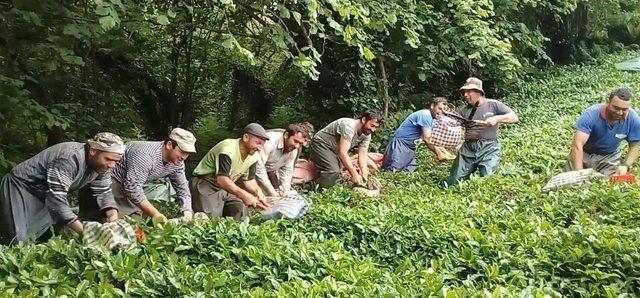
33	196
143	161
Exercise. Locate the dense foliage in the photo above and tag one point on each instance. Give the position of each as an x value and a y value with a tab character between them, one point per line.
490	237
69	69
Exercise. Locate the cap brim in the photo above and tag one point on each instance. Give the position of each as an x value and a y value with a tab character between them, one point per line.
187	148
471	88
264	138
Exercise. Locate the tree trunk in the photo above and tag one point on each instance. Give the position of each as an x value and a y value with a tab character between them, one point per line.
385	85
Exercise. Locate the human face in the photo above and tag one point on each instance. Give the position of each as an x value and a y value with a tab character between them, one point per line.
617	109
293	142
437	110
103	162
173	154
252	143
472	96
369	126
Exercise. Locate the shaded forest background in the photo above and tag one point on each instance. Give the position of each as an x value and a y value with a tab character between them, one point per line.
69	69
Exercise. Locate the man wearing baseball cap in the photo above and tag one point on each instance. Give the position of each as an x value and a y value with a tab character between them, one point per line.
144	161
224	181
481	149
33	196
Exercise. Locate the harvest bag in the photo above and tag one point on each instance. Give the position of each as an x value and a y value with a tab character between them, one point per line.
114	235
570	178
294	206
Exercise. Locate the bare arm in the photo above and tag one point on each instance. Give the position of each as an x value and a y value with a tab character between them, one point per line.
229	186
363	162
343	155
577	152
632	156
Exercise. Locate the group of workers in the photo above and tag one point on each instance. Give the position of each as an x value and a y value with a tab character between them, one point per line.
245	172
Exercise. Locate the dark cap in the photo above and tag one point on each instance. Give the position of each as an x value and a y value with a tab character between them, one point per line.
257	130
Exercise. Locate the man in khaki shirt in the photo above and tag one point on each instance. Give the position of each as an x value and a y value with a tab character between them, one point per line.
277	160
330	148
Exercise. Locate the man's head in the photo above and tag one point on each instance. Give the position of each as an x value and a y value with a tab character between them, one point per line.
472	91
105	150
297	135
254	137
618	104
438	106
370	120
178	146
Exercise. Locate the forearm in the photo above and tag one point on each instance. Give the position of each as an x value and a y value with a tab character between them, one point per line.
262	179
632	156
577	157
76	225
507	118
346	162
363	161
230	187
148	208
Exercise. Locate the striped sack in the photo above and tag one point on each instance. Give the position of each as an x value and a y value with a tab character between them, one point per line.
114	235
570	178
294	206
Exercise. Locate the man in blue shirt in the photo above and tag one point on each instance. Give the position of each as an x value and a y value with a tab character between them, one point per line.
599	131
400	155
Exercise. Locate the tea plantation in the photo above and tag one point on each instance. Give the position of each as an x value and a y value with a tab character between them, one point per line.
489	237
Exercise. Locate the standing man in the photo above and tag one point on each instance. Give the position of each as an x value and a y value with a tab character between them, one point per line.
224	181
143	161
330	147
400	155
33	196
276	162
599	131
481	149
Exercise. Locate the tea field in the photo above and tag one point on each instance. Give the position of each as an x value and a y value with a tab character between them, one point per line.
495	237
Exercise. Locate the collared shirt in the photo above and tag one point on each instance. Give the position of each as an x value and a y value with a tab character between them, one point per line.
142	161
54	172
604	137
273	158
344	128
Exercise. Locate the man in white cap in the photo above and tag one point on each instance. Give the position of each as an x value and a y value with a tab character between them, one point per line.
33	196
481	149
143	161
274	170
224	181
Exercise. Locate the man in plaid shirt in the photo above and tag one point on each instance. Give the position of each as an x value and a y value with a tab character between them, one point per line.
400	155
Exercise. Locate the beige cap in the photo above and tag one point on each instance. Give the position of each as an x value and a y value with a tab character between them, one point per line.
107	142
473	83
185	139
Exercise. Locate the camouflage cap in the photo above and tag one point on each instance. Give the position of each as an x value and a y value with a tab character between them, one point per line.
473	83
107	142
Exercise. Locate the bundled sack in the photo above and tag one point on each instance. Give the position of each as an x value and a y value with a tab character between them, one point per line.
293	206
373	189
571	178
447	133
114	235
